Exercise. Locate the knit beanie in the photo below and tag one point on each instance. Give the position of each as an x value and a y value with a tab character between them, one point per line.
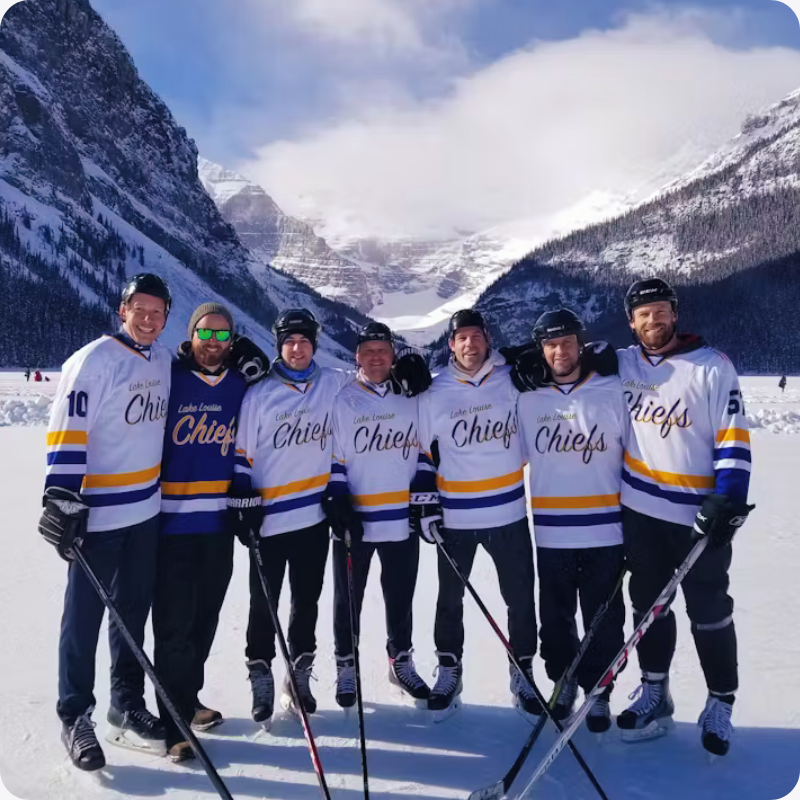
210	308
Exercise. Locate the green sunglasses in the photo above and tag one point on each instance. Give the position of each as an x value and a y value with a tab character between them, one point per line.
206	333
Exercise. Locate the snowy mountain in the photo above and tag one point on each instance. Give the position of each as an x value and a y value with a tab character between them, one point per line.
727	233
98	181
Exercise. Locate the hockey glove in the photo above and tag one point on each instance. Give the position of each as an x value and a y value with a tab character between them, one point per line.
63	521
530	371
249	359
410	374
342	517
425	514
245	514
720	517
601	357
513	352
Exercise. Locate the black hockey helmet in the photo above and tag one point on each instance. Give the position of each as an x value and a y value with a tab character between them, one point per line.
466	318
148	283
649	290
296	320
553	324
375	332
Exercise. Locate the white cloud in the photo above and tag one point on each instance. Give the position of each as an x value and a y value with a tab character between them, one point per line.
531	134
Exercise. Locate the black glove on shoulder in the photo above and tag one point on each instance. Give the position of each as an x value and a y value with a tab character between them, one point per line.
425	512
64	519
338	508
720	517
512	352
245	514
410	374
249	359
601	357
530	371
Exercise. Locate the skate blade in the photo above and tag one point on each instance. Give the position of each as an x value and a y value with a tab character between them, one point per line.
657	729
131	741
208	726
445	713
408	700
265	724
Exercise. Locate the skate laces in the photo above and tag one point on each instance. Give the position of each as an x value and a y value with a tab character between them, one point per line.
716	718
303	672
568	693
403	665
81	735
647	696
447	676
345	676
148	720
600	708
520	685
261	684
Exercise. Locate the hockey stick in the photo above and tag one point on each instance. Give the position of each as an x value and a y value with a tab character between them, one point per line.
354	629
662	602
500	789
434	528
147	666
276	623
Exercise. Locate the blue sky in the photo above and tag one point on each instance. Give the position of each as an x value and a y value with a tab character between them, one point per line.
286	89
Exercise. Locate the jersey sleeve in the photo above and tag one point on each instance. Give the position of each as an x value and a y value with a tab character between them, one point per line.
425	477
338	482
79	397
732	440
246	442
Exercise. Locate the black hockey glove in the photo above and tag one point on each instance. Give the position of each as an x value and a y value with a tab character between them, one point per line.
249	359
425	515
601	357
530	371
63	521
245	514
342	517
512	352
410	374
720	517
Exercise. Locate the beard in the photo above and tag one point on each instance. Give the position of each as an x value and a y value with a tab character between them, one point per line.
656	339
562	370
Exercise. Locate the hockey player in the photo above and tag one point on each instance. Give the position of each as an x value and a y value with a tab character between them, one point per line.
574	435
104	442
195	554
687	466
283	456
375	458
468	429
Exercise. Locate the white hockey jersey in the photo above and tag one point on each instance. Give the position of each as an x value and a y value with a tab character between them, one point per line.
106	430
284	446
474	422
376	456
574	440
689	432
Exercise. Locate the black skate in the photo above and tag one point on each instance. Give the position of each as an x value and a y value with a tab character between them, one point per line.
650	716
715	722
262	685
525	701
403	675
346	682
302	666
598	720
82	746
137	730
444	699
565	702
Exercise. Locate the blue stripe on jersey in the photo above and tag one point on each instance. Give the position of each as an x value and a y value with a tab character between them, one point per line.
742	453
187	522
423	459
577	520
483	502
241	461
732	482
681	498
296	502
67	457
121	498
338	469
385	516
71	482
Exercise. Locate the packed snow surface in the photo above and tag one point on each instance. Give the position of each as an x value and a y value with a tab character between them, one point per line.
408	754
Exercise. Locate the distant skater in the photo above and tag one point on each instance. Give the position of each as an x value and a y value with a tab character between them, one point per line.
782	383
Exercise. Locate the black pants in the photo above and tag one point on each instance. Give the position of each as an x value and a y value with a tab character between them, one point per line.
399	566
654	550
565	577
511	550
194	571
305	552
124	560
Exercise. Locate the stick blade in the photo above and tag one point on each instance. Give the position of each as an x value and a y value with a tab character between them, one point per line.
495	792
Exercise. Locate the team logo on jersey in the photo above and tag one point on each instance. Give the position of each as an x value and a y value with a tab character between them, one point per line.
483	430
189	430
380	440
146	408
297	434
560	441
650	411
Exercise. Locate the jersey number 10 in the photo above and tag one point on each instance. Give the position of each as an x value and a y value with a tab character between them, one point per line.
78	404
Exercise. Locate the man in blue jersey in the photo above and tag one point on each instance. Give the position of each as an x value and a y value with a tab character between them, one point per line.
195	557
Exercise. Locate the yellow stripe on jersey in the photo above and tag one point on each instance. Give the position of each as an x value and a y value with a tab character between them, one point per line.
57	438
588	501
500	482
195	487
273	492
121	478
670	478
733	435
243	453
382	498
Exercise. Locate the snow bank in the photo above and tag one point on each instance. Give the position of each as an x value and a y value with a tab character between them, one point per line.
25	410
774	420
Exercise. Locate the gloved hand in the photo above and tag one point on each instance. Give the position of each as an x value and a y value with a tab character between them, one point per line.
343	517
425	512
64	519
245	514
720	517
512	352
410	374
530	371
601	357
246	356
